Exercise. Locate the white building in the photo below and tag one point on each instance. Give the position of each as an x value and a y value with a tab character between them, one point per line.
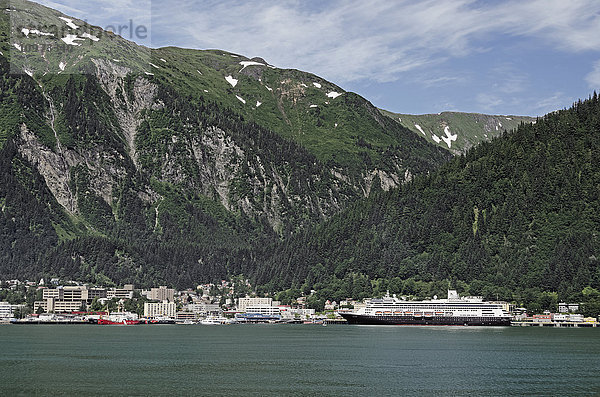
245	302
263	309
203	308
159	309
7	310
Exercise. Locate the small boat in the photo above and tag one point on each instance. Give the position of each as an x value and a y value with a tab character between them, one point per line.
214	321
106	321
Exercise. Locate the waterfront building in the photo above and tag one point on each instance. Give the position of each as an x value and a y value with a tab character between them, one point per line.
183	316
53	305
263	309
159	309
74	293
204	308
68	298
560	317
245	302
7	310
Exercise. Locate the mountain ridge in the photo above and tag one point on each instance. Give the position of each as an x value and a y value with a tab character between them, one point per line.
156	171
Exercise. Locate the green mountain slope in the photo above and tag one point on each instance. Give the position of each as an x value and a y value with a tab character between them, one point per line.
458	132
516	218
145	165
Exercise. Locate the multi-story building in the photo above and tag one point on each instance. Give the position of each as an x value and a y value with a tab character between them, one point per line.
203	308
162	293
263	309
182	316
121	293
74	293
7	310
68	298
159	309
245	302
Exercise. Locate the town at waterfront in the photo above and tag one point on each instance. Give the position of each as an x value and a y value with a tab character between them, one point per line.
69	302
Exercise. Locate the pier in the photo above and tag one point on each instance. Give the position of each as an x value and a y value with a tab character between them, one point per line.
557	324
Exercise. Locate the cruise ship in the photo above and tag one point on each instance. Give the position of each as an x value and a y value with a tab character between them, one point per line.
455	310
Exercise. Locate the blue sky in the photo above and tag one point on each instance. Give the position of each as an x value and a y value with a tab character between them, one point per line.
500	57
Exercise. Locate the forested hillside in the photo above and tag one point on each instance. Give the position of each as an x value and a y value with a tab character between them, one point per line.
121	164
514	218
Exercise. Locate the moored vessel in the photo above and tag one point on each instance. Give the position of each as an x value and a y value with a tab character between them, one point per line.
454	310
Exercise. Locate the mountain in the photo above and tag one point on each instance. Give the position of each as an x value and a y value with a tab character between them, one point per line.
455	131
121	164
516	218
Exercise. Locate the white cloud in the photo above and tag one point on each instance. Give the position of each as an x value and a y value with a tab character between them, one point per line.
549	104
593	78
374	39
488	101
109	13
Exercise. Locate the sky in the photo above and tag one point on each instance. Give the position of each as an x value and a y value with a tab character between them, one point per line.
497	57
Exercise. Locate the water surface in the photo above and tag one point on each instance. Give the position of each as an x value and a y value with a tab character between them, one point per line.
303	360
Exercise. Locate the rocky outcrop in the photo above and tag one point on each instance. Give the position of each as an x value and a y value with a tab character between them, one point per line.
105	169
128	101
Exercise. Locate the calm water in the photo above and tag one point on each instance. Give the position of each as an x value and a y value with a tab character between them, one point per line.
297	360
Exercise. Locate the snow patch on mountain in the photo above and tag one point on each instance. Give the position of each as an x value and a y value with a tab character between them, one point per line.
317	85
62	66
417	126
231	80
18	47
70	39
241	99
69	22
245	64
333	94
449	138
258	103
90	36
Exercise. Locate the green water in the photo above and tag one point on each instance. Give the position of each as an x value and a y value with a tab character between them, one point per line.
297	360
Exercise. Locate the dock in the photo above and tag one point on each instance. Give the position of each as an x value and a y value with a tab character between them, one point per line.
557	324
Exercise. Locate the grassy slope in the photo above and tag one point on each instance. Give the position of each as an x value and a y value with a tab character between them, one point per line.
331	130
471	128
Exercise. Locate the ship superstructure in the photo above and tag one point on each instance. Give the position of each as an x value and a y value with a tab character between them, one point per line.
454	310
